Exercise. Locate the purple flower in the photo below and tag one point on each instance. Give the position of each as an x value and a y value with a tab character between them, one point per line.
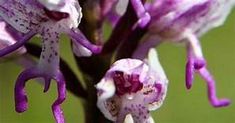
48	19
132	87
185	21
113	9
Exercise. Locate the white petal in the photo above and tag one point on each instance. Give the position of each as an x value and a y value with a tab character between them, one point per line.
70	7
121	6
154	63
109	107
20	15
129	119
107	86
80	50
75	13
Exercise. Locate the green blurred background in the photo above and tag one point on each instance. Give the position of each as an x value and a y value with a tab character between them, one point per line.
181	105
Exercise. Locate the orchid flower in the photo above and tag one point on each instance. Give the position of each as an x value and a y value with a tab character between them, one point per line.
113	9
48	19
132	87
186	20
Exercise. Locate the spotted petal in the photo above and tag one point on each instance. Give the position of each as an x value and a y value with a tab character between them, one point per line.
20	15
80	50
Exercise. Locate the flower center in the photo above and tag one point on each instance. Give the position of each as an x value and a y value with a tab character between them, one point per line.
126	83
55	15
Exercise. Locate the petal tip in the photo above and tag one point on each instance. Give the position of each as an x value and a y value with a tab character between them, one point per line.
188	84
200	63
221	103
144	20
97	49
21	106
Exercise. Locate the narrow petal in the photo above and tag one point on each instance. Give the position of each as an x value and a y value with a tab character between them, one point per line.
118	9
20	94
195	59
196	62
143	15
194	44
189	77
113	18
80	50
190	69
17	45
106	6
9	36
82	40
58	113
204	73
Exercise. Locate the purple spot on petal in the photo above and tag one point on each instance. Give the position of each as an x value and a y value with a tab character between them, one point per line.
126	83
